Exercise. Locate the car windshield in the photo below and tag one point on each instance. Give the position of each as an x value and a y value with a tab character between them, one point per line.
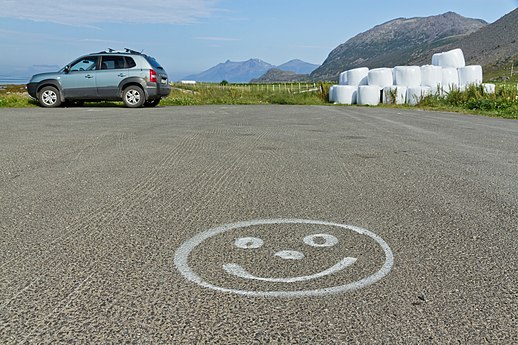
85	64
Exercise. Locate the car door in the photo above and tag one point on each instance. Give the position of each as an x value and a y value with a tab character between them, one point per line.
78	81
113	70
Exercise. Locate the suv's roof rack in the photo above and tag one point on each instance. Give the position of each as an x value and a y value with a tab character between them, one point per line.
126	50
133	51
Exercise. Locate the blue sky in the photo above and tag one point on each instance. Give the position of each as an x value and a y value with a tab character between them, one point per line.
189	36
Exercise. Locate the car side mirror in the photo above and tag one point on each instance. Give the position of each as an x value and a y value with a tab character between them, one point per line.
67	68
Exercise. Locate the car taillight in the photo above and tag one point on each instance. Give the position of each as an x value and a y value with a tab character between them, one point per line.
152	76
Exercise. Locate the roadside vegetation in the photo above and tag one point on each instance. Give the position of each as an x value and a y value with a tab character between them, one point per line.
15	96
474	100
225	93
503	103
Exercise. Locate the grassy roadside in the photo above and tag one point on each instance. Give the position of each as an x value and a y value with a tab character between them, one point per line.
474	100
15	96
503	103
206	94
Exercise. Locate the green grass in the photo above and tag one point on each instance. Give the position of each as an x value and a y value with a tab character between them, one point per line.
503	103
207	94
15	96
502	73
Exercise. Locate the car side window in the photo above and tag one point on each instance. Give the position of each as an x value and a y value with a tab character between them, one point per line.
112	62
130	63
88	63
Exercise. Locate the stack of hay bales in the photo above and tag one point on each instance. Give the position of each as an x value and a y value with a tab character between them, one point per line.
407	84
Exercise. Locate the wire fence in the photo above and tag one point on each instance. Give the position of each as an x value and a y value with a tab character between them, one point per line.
273	87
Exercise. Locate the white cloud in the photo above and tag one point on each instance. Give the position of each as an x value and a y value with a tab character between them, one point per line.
110	11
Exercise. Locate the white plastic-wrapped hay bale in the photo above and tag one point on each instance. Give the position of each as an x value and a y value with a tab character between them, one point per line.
408	76
489	88
470	75
394	94
435	59
357	76
415	94
342	80
450	79
450	59
332	94
431	76
345	94
380	77
369	95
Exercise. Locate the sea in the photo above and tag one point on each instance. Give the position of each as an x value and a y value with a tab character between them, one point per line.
13	80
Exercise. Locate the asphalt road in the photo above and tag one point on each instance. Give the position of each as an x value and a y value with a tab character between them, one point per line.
257	225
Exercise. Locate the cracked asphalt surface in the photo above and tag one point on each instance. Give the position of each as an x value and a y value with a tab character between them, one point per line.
96	202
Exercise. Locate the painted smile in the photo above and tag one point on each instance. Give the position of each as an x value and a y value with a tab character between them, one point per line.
255	248
240	272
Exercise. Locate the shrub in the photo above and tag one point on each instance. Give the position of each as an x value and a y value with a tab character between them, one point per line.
504	102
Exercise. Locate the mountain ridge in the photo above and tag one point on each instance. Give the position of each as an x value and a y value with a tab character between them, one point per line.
245	71
395	42
493	46
276	75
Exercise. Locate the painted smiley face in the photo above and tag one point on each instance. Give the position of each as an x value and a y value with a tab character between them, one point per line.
317	279
315	240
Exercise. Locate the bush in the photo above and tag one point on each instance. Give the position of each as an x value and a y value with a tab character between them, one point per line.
503	103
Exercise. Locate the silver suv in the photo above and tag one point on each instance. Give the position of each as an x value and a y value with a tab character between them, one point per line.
135	78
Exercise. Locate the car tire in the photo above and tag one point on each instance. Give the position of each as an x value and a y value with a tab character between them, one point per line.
152	103
49	97
133	96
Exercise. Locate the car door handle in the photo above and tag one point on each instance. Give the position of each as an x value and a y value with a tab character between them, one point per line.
89	76
121	75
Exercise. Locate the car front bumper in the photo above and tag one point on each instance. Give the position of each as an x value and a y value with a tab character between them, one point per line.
32	89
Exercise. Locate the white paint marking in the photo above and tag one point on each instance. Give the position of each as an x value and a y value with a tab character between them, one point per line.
182	255
249	243
290	255
313	240
239	271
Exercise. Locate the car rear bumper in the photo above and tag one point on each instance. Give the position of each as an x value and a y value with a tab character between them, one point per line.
157	90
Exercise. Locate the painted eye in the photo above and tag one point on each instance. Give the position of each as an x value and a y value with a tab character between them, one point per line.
320	240
248	243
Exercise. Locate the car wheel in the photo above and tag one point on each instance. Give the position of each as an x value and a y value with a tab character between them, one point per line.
49	97
152	103
133	97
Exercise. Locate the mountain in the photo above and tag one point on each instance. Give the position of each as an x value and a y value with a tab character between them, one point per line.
396	43
244	71
494	46
276	75
291	71
298	67
233	72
